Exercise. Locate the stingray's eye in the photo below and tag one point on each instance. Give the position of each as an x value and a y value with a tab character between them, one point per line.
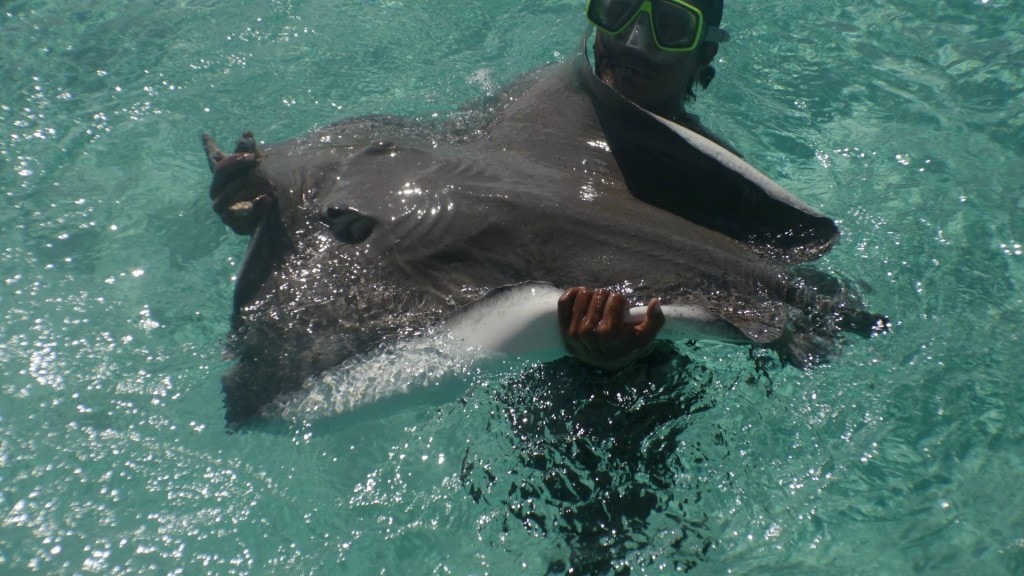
381	149
348	225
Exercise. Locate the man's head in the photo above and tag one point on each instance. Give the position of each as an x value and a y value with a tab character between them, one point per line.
656	64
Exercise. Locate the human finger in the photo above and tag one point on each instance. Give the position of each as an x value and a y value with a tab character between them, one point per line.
614	312
565	306
653	322
580	307
595	312
247	143
230	167
213	153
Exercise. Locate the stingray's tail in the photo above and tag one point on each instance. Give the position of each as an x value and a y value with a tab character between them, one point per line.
826	308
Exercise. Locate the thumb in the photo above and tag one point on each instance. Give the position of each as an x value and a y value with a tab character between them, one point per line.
654	321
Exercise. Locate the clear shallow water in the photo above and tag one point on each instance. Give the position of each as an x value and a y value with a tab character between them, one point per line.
906	455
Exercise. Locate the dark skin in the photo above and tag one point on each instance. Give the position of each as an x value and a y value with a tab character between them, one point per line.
595	330
658	81
241	195
592	321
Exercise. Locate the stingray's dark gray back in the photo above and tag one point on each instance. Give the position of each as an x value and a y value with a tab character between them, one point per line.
562	187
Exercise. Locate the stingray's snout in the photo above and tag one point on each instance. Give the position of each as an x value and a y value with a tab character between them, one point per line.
348	225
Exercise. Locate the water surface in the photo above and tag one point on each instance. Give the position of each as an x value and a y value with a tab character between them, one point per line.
903	120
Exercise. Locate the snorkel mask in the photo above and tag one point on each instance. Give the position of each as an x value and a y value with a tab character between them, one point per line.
676	25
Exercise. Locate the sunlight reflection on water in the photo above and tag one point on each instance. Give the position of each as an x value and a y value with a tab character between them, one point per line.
117	286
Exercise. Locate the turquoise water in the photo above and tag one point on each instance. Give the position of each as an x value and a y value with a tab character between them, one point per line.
903	120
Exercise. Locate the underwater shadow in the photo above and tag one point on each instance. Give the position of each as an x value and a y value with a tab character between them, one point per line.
607	463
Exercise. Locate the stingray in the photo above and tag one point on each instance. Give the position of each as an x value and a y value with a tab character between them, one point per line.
382	227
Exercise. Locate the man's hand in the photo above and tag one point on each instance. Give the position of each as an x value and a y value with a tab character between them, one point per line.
241	194
595	331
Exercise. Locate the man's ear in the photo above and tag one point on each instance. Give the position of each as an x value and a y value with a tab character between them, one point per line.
705	71
708	52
